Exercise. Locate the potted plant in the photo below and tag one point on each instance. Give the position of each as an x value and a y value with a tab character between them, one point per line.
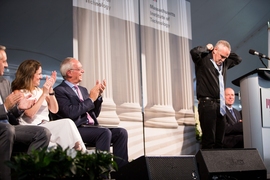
198	130
57	163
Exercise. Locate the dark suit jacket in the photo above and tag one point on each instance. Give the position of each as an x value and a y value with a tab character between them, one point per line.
4	92
233	130
13	113
71	107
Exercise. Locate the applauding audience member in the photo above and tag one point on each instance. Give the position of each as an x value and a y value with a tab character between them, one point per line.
11	107
27	80
83	107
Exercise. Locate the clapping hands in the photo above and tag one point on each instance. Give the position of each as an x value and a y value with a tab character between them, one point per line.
48	85
18	98
97	90
102	86
26	102
13	99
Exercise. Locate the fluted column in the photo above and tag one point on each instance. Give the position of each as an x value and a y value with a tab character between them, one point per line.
96	58
159	111
186	113
183	86
103	63
128	84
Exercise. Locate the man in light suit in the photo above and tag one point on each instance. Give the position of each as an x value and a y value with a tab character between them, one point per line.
84	108
234	130
12	106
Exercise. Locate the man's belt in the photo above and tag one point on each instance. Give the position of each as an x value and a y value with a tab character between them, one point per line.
209	99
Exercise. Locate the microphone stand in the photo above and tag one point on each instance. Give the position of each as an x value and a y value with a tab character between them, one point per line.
262	62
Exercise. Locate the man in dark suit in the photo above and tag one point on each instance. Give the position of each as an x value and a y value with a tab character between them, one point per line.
12	106
234	130
76	103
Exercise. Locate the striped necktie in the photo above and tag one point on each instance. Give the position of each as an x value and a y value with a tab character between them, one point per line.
221	88
221	94
231	110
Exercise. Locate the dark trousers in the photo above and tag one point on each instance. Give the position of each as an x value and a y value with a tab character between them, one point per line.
102	138
34	136
212	124
233	141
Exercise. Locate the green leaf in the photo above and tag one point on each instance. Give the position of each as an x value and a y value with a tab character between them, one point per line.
61	163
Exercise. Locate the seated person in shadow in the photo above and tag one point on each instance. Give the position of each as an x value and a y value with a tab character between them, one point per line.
234	130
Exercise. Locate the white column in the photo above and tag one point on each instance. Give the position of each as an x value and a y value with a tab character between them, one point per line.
128	86
159	111
108	114
94	52
186	114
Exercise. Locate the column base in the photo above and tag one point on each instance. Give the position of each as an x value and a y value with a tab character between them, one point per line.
160	117
108	114
185	117
129	112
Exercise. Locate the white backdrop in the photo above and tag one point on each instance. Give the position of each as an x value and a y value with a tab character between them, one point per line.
142	49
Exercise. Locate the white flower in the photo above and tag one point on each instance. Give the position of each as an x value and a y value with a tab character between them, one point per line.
198	126
72	153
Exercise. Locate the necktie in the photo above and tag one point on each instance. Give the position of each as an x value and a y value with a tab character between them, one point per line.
231	110
221	93
221	88
90	120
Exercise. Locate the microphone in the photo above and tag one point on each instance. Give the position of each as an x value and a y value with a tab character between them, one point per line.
253	52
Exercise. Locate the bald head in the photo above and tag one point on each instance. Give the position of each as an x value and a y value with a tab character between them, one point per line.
221	51
71	69
229	97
